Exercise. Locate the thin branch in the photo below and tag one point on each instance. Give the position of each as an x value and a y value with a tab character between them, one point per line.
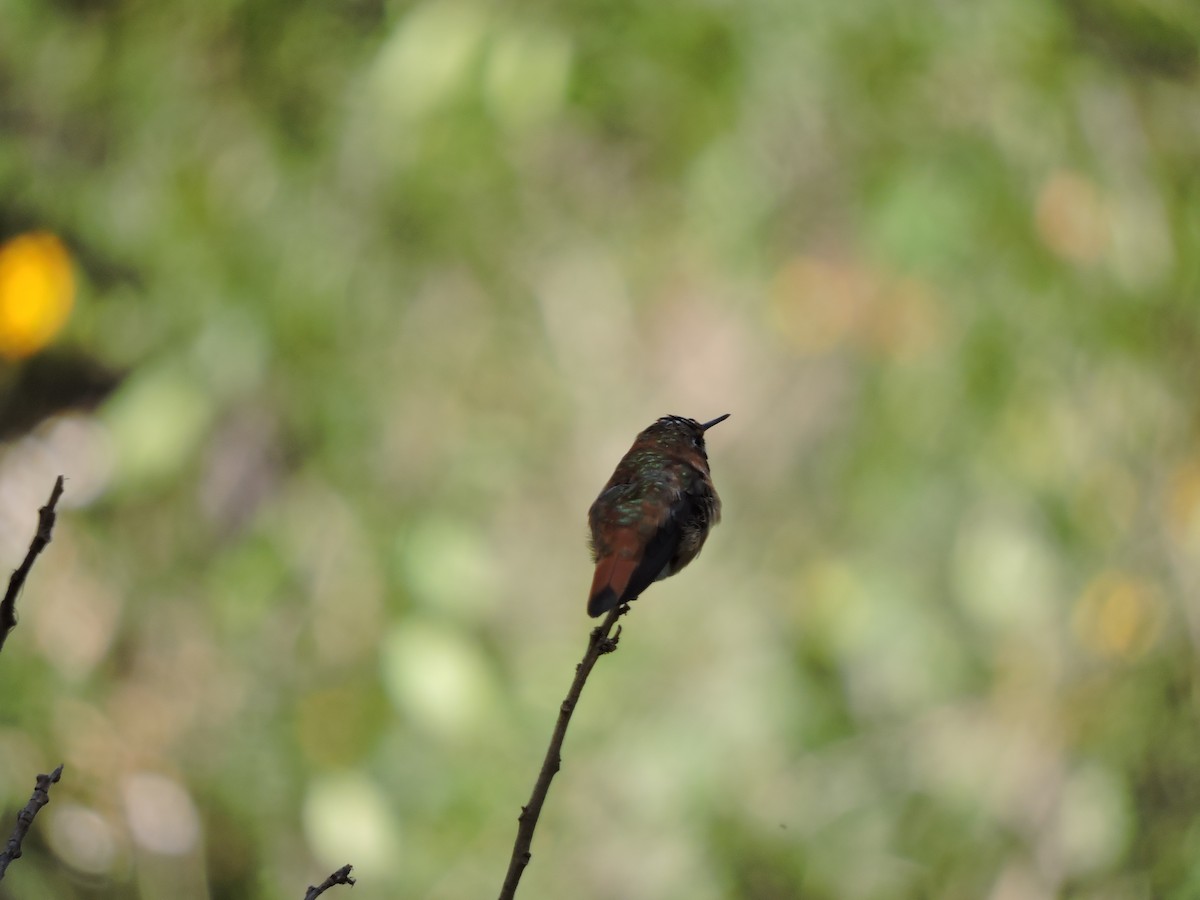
8	606
599	643
341	876
41	796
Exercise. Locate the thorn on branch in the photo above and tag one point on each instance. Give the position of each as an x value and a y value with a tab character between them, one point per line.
609	644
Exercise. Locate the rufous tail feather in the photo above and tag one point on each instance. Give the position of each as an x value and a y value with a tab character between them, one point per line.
609	583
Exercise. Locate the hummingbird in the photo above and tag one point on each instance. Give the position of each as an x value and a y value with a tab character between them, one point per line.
654	514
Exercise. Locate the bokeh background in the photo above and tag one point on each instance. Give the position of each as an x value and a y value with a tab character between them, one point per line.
337	316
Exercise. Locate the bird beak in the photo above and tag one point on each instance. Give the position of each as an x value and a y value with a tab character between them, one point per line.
708	425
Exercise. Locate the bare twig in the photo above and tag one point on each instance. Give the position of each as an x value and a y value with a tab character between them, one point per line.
341	876
41	796
8	606
599	643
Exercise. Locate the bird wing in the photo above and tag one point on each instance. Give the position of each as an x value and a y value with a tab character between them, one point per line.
623	568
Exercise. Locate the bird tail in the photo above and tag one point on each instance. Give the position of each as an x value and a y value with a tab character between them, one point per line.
609	583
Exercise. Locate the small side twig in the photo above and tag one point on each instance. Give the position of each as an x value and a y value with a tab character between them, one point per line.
8	606
41	796
601	641
341	876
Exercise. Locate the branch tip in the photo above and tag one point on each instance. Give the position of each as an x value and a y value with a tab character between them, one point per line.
40	797
341	876
41	537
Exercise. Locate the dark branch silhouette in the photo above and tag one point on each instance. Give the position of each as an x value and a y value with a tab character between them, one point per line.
599	643
8	606
41	796
341	876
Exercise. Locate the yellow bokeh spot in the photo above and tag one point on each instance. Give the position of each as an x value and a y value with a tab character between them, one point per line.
820	306
1073	218
1118	616
37	290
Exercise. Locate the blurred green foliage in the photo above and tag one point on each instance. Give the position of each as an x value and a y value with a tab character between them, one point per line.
394	285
